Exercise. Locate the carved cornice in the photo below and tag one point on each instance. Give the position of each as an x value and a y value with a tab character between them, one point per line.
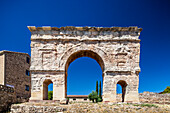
85	33
93	40
72	28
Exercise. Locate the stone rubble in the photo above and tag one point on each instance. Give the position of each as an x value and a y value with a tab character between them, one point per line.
7	97
90	108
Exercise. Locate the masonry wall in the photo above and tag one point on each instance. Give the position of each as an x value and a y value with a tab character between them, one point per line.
7	97
15	73
1	69
150	97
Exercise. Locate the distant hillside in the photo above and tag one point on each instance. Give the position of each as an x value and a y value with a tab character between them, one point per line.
167	90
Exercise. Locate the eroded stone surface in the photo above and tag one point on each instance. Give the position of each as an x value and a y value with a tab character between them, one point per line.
89	108
116	49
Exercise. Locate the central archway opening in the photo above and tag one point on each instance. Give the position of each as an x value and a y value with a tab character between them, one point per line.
83	70
82	76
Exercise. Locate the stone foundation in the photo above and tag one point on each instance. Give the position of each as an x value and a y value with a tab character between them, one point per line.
36	109
89	108
158	103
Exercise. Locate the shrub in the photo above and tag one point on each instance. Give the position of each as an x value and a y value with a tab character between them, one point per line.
149	105
90	96
93	96
50	95
145	105
99	99
68	98
167	90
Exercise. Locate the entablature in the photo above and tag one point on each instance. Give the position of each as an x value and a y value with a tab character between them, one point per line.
85	33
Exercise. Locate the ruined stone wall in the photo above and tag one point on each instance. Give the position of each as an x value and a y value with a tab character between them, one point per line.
7	97
116	49
150	97
15	73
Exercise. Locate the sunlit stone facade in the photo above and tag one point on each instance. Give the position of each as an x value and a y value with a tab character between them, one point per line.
116	49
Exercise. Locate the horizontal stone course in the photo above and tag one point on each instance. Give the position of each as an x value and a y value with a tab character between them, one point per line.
85	33
72	28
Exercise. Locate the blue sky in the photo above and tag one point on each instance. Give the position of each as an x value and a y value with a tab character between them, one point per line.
151	15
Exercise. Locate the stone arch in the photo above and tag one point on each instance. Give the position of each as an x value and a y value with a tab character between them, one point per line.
82	53
75	49
122	77
46	82
123	84
117	51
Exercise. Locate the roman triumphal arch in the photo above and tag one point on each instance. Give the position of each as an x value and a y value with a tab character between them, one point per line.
116	49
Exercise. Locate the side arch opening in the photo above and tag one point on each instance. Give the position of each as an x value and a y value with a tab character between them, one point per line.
121	95
45	88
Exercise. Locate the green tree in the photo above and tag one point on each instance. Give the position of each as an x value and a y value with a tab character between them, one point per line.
100	90
167	90
90	97
93	96
100	93
50	95
97	87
